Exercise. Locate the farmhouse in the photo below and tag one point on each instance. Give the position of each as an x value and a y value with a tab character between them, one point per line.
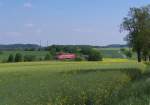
63	56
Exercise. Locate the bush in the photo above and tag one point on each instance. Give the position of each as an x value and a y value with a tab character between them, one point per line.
18	57
48	57
40	59
79	59
122	49
10	58
95	55
91	54
128	54
1	52
29	58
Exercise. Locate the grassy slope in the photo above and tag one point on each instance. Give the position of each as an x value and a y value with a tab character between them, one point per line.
60	83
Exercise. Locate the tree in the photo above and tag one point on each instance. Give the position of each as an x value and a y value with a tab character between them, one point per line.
123	49
29	58
137	23
10	58
94	55
48	57
18	57
127	53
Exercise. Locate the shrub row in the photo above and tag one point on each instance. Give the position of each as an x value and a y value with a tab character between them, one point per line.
18	57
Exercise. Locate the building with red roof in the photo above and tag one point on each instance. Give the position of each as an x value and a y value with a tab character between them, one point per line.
63	56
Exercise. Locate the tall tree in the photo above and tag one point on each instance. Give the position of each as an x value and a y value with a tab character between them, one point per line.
137	23
10	58
18	57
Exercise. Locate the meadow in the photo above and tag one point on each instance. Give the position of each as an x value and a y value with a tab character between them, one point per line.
111	53
115	53
106	53
66	83
5	54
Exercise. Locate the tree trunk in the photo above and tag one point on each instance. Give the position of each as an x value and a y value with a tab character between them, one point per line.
149	58
139	55
145	58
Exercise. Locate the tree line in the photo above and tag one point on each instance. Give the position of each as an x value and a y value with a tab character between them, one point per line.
82	54
19	57
137	24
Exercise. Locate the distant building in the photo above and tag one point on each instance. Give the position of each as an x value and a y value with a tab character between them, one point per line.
63	56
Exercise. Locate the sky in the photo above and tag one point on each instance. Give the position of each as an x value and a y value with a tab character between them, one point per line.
89	22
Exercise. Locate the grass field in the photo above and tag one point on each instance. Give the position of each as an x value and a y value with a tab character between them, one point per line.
39	54
106	53
65	83
112	53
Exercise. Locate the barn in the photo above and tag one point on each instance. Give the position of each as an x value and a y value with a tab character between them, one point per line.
63	56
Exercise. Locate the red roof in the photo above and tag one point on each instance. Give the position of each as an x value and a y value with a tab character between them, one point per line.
66	56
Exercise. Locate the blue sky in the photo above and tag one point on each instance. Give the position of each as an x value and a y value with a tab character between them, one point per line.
92	22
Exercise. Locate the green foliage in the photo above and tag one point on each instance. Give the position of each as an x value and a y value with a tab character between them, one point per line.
10	58
91	54
79	58
48	57
127	53
111	53
40	55
95	55
18	57
137	23
123	49
85	51
135	93
1	52
67	48
29	58
63	83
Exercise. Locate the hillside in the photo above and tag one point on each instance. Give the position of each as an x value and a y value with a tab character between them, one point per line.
18	46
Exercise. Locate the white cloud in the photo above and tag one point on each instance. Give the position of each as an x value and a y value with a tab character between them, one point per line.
29	25
27	5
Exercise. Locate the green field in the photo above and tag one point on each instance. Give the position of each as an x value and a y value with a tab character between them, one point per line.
106	53
39	54
112	53
73	83
65	83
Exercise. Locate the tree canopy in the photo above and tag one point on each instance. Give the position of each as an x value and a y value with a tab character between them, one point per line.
137	23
